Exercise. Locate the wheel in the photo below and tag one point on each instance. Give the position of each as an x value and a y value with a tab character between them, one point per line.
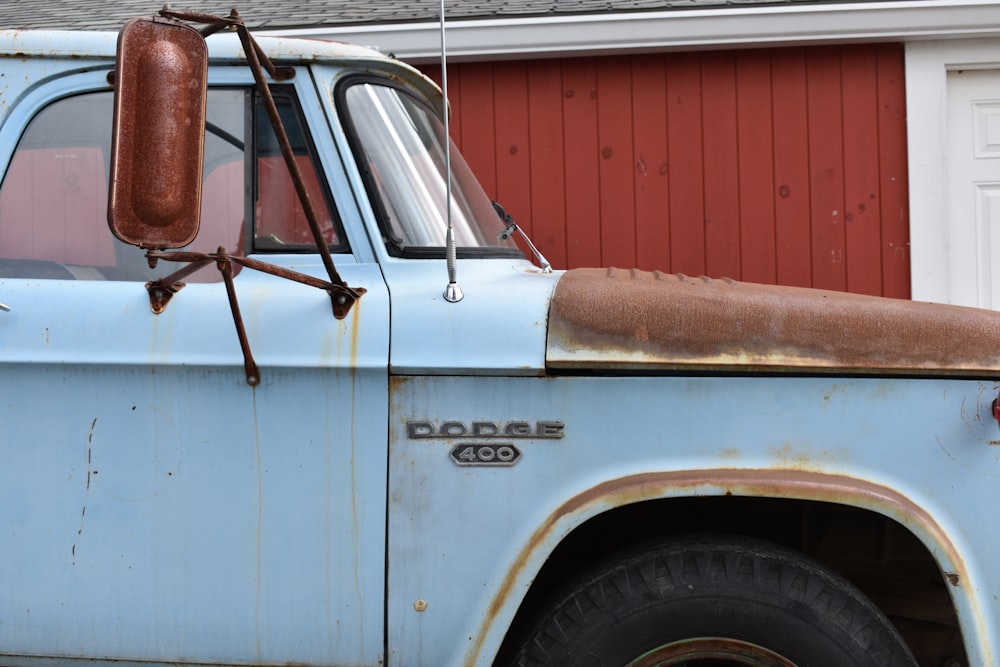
713	602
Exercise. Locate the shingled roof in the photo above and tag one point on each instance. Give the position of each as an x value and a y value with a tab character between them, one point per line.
288	14
510	29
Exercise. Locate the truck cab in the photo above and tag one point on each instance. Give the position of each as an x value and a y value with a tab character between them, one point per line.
207	462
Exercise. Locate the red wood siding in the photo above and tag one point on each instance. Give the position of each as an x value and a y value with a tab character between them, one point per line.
772	165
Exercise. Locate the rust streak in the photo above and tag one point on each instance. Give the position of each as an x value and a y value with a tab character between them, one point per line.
791	484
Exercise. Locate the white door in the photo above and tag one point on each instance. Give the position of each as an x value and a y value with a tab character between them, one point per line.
953	128
973	158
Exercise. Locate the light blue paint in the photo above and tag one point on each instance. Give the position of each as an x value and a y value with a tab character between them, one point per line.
157	509
453	543
184	513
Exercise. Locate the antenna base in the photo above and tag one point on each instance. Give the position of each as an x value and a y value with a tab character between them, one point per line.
453	293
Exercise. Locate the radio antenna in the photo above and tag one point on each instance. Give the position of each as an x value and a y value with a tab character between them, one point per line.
452	293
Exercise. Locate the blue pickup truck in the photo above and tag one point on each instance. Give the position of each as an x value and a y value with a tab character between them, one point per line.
266	399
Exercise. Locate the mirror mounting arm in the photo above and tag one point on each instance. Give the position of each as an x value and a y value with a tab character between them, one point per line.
343	296
252	51
160	291
249	365
163	64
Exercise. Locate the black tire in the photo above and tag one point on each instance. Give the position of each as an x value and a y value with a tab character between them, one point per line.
712	602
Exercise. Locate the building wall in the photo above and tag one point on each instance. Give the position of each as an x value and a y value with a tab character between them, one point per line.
779	166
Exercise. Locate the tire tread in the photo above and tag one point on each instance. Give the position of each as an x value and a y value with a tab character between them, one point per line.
666	573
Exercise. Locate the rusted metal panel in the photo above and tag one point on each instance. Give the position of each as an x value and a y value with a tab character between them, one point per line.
155	196
635	319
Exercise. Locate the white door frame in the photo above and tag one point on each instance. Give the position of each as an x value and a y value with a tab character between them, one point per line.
944	252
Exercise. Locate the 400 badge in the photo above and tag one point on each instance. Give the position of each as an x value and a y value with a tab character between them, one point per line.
493	454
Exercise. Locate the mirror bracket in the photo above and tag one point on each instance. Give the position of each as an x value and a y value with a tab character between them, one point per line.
167	219
258	63
160	291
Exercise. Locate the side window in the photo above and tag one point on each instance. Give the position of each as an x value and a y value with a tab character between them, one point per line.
281	223
53	199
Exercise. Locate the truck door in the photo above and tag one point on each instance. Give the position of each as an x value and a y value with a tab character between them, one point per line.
154	506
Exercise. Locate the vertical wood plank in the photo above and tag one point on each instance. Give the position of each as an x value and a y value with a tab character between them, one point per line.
721	174
433	72
477	109
862	224
513	141
617	208
581	153
791	168
826	167
547	175
684	135
454	95
893	183
789	142
758	257
649	114
455	121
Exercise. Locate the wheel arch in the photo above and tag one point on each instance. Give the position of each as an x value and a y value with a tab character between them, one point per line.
798	509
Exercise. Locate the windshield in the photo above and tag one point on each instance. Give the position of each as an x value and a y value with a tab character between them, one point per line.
399	149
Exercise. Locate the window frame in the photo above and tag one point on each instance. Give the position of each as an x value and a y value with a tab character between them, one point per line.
257	114
378	206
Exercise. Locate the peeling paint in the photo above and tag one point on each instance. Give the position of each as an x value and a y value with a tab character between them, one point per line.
800	457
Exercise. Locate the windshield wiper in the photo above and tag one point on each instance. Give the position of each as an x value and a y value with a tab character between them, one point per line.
510	227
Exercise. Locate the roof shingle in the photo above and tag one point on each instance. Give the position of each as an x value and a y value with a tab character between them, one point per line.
286	14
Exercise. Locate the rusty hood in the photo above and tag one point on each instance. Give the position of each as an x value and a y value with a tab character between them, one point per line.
630	319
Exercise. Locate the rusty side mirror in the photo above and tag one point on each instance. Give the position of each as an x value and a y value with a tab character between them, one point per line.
158	139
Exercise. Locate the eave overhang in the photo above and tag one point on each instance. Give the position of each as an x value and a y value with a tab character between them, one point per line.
674	30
